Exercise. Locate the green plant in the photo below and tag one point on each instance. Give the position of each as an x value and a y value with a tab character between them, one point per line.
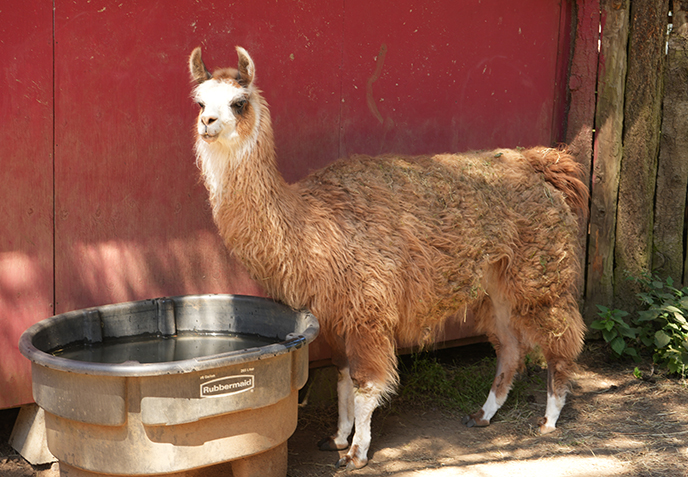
616	331
663	326
458	387
426	381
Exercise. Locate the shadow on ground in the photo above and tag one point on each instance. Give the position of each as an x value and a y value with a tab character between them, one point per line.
613	425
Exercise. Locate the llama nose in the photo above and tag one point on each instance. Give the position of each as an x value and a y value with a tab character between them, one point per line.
208	120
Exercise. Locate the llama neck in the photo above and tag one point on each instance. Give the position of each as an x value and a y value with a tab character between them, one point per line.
256	211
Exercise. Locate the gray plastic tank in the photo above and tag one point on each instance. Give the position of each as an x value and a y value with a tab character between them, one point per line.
184	410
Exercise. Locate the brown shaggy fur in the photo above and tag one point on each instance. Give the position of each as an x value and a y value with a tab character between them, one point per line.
384	249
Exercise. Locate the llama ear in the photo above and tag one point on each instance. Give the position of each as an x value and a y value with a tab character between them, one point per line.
199	73
246	68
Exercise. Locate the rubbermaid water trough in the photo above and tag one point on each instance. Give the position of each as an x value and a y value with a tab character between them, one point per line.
172	385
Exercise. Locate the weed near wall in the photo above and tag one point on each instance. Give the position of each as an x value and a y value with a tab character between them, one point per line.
660	329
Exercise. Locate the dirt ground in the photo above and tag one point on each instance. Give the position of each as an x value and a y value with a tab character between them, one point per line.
614	424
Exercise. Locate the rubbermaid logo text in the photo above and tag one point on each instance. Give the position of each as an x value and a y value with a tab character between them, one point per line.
227	386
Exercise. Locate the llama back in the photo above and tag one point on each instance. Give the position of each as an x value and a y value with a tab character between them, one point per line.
432	226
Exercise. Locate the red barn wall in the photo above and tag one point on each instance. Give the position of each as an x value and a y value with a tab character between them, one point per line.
26	179
101	199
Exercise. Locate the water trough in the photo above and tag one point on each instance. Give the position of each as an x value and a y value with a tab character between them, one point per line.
171	386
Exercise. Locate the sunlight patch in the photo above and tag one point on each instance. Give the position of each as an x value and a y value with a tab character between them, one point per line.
567	466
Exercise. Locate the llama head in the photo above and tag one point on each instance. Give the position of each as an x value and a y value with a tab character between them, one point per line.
228	100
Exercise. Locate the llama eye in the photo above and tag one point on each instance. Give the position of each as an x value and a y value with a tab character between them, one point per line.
239	106
200	105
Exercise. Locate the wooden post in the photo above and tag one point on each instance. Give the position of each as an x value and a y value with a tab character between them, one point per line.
672	174
642	121
582	82
607	150
582	87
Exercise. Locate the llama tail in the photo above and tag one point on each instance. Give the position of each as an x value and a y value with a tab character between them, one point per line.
564	173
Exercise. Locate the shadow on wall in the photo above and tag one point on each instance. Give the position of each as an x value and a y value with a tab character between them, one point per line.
126	270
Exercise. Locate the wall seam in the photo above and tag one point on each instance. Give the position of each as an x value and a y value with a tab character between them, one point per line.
54	43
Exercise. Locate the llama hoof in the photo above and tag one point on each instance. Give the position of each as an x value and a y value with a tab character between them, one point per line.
328	444
544	427
348	463
352	460
474	421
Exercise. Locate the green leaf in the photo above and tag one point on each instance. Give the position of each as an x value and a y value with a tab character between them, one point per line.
598	325
609	335
647	340
631	352
628	332
671	309
647	315
680	318
620	321
618	344
661	339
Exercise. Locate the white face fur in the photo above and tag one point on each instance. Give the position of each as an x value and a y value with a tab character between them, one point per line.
229	119
222	103
220	143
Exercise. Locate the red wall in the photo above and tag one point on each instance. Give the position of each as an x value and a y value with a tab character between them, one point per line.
101	200
26	179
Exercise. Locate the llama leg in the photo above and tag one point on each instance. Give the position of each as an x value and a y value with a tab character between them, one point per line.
507	366
372	364
366	400
509	359
557	388
560	347
345	400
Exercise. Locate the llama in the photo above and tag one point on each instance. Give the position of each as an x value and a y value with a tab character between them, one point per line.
383	249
